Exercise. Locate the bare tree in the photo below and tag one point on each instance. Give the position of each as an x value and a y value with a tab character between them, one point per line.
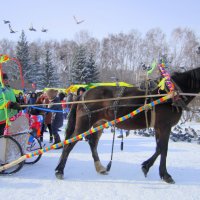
183	46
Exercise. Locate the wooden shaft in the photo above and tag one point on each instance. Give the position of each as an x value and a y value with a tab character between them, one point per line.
13	163
111	99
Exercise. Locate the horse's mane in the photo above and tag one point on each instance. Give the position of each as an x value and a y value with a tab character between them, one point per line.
188	79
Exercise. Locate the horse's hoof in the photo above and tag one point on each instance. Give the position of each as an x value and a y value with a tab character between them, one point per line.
103	172
59	175
169	180
145	170
100	168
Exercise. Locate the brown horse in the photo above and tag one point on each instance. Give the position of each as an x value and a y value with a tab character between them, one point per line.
166	115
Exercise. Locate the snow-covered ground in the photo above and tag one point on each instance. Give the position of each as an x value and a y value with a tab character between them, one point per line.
124	181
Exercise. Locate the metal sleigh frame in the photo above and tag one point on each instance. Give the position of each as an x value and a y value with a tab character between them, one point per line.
17	141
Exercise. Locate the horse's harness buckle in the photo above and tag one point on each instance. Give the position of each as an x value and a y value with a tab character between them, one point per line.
147	107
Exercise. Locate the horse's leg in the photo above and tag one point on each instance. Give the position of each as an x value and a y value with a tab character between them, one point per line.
163	144
93	142
59	171
81	126
148	163
162	139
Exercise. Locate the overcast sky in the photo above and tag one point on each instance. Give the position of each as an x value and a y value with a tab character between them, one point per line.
101	17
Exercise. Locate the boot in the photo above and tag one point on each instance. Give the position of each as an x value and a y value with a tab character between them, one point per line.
51	139
57	140
41	138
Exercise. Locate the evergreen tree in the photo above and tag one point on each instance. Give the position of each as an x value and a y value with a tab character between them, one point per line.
51	77
79	71
34	65
93	70
22	52
38	73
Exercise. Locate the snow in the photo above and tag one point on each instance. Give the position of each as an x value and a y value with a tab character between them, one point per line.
124	181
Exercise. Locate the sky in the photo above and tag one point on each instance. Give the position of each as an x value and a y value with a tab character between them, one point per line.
125	180
101	17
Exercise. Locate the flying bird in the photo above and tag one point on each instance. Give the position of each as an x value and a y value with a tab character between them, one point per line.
31	28
11	30
44	30
6	21
77	21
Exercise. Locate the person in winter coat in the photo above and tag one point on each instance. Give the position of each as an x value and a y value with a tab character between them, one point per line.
69	98
7	102
20	99
43	99
32	99
57	117
64	105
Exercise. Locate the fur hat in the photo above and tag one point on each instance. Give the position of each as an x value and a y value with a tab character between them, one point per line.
80	89
51	93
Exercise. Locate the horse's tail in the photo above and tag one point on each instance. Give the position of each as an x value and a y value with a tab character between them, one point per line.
71	120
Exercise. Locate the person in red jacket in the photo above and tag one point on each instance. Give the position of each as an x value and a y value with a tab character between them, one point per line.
64	105
42	99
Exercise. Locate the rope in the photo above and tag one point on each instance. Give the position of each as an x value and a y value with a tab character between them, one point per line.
145	102
112	99
50	110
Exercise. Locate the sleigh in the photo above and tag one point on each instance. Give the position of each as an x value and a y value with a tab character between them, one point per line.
18	140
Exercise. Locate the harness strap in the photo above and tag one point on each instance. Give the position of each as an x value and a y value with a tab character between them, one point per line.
88	112
116	102
153	117
113	142
115	106
178	101
145	102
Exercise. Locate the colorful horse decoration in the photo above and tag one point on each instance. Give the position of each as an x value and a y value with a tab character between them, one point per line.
166	80
166	76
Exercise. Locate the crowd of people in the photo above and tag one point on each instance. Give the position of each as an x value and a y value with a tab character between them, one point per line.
53	103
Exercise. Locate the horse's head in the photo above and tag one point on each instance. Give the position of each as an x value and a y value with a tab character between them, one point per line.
188	81
196	77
